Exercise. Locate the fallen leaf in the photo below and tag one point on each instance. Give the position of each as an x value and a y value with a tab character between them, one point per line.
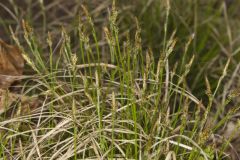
11	67
11	64
25	105
6	99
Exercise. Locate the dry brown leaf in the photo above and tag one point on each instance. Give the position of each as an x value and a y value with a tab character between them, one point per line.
26	105
11	64
6	99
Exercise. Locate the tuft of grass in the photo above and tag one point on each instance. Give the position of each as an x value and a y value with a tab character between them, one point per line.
115	100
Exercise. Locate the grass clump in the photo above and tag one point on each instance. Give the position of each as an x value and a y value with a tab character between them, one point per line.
112	101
